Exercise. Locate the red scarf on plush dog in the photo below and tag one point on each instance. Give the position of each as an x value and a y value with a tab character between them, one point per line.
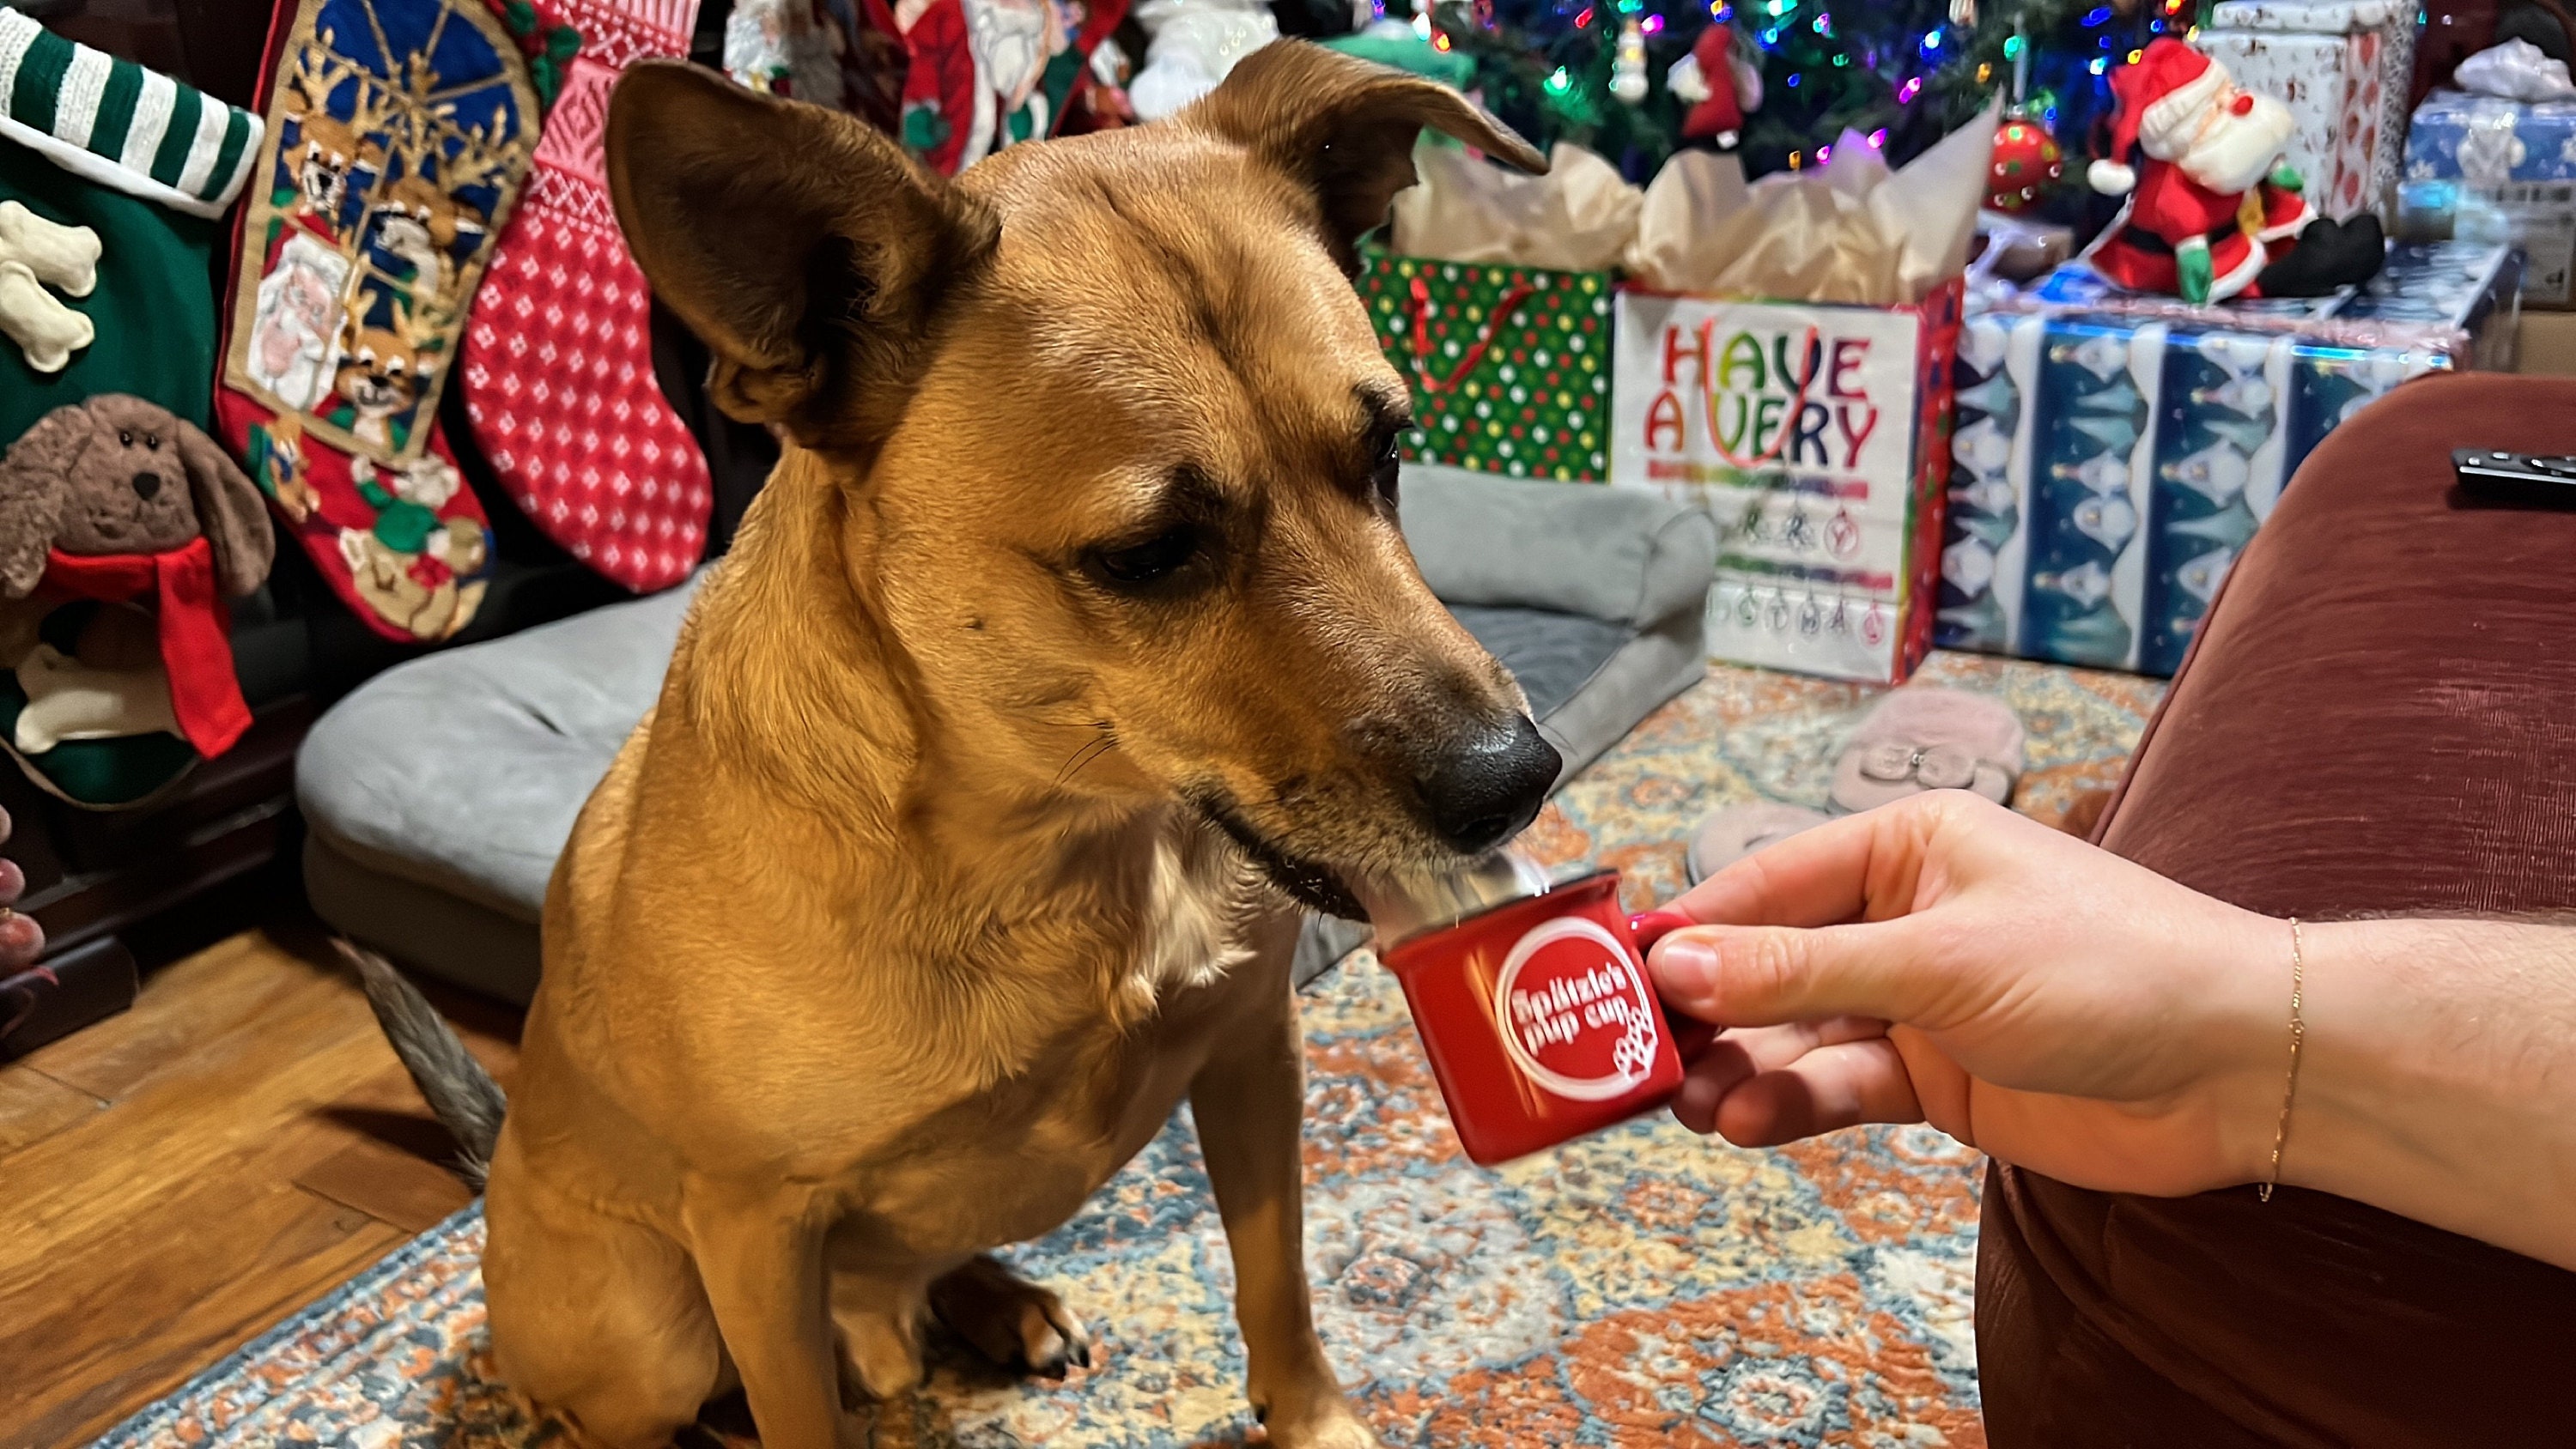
196	638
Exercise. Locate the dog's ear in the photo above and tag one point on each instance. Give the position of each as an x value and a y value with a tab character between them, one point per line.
35	478
1346	128
230	511
806	249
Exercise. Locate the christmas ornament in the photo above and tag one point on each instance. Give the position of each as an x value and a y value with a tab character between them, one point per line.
2210	206
1720	83
388	169
559	382
1628	64
2027	162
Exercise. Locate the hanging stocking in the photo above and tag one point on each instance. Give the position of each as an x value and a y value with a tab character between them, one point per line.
398	134
558	352
110	177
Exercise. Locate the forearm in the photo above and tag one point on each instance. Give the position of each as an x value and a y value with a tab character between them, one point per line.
2438	1078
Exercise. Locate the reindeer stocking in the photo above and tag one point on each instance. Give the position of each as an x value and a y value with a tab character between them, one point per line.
398	134
558	361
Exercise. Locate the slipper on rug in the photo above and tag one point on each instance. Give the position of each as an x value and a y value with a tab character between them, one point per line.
1739	830
1929	739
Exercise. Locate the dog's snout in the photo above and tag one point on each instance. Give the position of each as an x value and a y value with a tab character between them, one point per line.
147	486
1486	788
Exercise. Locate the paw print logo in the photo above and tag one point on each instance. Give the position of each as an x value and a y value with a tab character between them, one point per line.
37	259
1634	1056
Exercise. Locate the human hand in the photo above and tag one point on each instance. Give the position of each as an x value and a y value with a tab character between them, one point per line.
1942	959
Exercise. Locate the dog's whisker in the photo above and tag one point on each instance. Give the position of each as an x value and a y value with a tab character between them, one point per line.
1091	750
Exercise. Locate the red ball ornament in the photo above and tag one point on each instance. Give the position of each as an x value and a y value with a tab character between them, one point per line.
2028	161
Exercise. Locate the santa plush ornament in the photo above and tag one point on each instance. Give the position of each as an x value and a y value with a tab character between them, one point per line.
1720	84
2213	211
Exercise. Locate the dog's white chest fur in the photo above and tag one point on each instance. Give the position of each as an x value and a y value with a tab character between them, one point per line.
1200	893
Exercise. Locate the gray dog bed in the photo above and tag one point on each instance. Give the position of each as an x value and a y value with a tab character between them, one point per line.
439	794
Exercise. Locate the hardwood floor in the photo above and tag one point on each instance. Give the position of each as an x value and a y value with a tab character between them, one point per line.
175	1180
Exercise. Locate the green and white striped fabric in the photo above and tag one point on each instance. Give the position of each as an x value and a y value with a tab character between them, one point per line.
120	125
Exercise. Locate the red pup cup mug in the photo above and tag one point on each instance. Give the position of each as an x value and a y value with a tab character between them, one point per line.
1537	1013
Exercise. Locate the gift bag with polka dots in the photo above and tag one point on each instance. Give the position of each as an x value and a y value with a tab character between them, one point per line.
1509	366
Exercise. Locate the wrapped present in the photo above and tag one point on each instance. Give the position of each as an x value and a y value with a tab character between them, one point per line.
2113	455
2342	67
1816	436
2508	174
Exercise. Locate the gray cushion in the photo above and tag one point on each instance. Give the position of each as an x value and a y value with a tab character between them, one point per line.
1551	654
1615	554
462	770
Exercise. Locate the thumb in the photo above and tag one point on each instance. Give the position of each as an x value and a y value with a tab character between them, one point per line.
1768	975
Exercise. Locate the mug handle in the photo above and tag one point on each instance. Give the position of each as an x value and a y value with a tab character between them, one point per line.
1691	1036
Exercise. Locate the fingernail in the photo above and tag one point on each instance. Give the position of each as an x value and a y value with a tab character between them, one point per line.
1652	926
1684	967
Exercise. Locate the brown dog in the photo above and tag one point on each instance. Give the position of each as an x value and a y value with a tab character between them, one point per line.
1073	637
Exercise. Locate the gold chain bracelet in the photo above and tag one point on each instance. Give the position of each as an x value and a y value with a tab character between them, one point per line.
2298	1034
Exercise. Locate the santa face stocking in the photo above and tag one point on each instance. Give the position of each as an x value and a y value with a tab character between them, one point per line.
398	134
558	353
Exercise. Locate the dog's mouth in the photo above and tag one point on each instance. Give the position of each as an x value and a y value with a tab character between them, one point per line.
1313	886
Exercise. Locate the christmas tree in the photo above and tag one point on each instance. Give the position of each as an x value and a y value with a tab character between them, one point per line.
1900	73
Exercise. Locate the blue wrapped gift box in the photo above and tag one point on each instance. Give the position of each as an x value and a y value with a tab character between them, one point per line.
2113	455
2510	169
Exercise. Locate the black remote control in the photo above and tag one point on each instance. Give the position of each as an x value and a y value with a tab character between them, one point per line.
2518	477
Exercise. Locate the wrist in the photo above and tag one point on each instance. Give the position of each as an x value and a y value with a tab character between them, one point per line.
2369	1020
2431	1085
2250	1074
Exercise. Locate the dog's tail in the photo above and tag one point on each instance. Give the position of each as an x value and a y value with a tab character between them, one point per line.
468	1102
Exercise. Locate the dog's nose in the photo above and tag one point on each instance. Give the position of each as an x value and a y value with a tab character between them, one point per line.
147	486
1482	792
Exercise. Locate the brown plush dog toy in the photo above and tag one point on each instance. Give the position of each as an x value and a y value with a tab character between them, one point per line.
116	498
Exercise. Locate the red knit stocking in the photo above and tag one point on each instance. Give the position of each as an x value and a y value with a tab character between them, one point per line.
558	362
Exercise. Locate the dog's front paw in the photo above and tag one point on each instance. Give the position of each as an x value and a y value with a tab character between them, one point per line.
1011	1320
1329	1423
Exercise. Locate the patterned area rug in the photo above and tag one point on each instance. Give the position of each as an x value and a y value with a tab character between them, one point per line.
1640	1288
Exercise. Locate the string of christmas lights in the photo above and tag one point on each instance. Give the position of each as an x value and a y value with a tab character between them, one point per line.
1902	73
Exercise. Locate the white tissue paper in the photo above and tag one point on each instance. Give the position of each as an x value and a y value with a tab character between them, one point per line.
1579	217
1851	231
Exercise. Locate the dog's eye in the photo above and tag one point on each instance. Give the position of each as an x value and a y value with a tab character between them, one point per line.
152	441
1149	562
1388	463
124	438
